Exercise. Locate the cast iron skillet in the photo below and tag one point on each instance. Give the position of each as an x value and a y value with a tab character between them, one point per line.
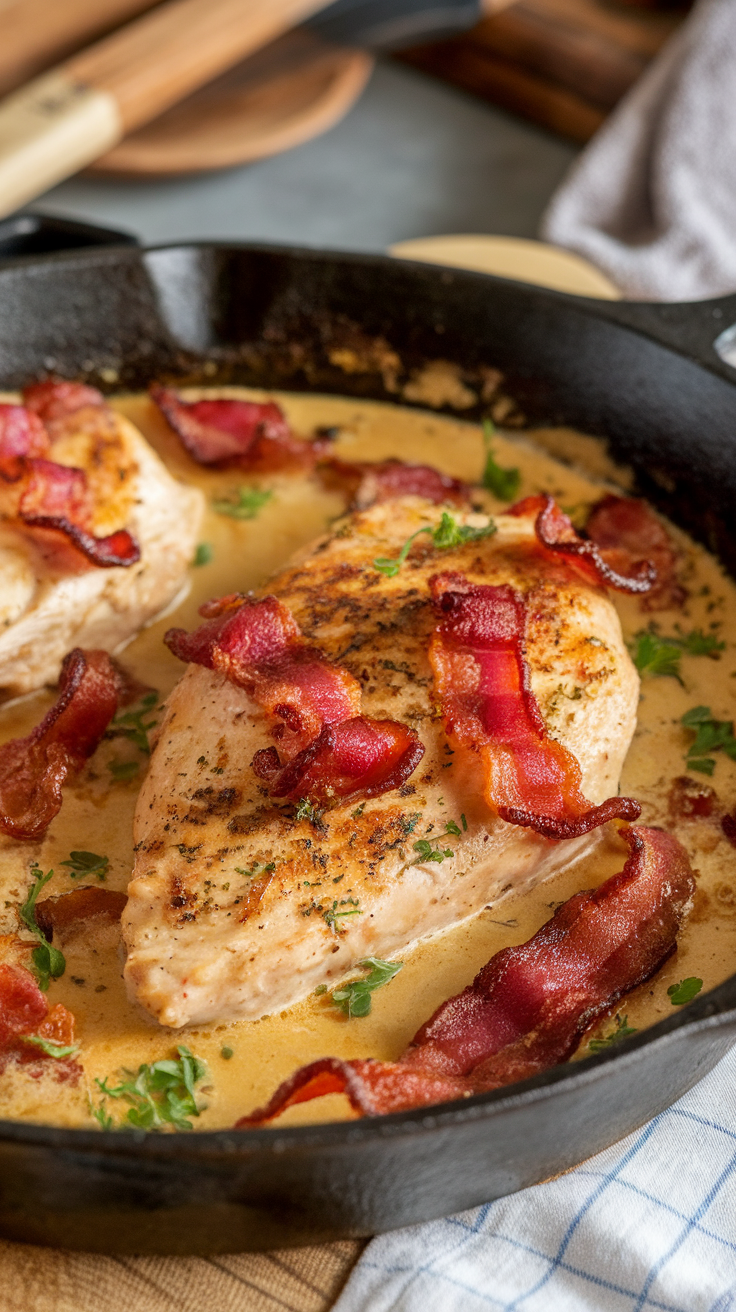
647	377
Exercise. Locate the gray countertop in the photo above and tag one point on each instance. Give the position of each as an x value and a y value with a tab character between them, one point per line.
413	158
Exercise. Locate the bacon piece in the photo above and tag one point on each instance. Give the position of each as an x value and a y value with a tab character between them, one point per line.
54	400
34	769
55	506
360	755
329	749
482	678
22	436
64	914
368	484
528	1008
627	530
556	534
24	1013
249	435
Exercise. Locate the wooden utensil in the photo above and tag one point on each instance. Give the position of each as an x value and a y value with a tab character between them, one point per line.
69	116
292	90
36	33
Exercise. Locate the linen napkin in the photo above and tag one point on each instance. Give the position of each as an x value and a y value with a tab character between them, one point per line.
652	199
648	1224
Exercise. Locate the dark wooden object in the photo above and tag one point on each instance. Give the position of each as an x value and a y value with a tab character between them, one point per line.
562	63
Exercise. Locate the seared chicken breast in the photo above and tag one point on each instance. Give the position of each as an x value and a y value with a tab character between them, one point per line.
241	904
45	611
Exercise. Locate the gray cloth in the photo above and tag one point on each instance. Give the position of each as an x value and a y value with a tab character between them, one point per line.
652	199
391	24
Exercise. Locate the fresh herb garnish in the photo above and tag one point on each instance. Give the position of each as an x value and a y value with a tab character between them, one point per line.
320	989
657	656
409	823
256	869
332	914
452	827
243	503
52	1049
448	533
226	1053
710	736
357	813
87	863
622	1031
306	810
204	553
104	1121
132	725
161	1094
685	991
464	823
354	998
123	770
503	483
48	962
428	853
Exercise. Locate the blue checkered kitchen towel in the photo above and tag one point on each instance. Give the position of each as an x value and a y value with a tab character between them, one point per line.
650	1223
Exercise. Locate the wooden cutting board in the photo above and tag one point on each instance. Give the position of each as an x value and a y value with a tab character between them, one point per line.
294	89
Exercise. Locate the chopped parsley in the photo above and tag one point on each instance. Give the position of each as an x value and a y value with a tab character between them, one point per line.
306	810
332	914
710	736
503	483
244	503
428	853
48	962
52	1049
87	863
448	533
256	869
452	827
657	656
622	1031
685	991
464	823
132	725
354	998
226	1053
160	1095
357	813
204	553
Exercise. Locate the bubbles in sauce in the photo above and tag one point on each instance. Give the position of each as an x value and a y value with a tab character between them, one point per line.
247	1060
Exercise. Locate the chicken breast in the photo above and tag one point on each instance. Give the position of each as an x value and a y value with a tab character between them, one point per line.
44	613
240	905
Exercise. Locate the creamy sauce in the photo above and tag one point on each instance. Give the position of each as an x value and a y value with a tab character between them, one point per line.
97	812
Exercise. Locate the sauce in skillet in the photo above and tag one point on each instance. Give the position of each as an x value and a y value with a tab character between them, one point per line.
97	812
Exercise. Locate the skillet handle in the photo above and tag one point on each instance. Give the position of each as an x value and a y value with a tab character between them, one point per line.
705	331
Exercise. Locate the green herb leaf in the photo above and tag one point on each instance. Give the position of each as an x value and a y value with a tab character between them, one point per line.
503	483
256	869
226	1053
121	771
133	725
622	1031
452	827
204	553
245	503
697	643
656	657
427	853
685	991
464	823
332	914
47	962
710	736
87	863
52	1049
306	810
354	998
448	533
160	1095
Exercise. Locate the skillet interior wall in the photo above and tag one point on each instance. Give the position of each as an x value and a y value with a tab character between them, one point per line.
269	316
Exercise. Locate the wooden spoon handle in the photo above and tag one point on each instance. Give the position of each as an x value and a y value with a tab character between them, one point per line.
37	33
68	117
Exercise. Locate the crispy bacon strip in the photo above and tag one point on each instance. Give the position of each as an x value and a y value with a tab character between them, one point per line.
52	501
626	529
249	435
556	534
528	1008
34	769
482	678
328	749
24	1012
368	484
64	914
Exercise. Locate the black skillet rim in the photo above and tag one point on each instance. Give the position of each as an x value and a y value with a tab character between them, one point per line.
709	1011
